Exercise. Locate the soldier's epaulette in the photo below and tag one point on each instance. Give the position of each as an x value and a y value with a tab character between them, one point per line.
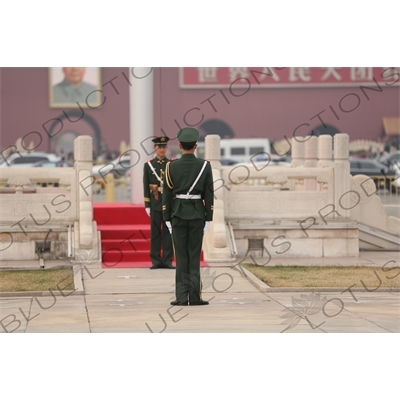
150	160
172	159
202	159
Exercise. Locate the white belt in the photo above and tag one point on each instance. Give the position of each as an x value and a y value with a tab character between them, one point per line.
188	196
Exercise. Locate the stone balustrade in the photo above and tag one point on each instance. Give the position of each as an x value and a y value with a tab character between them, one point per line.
313	206
60	213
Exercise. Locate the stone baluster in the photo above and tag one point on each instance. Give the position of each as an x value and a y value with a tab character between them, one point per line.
298	159
310	160
342	175
298	152
325	148
325	155
83	154
217	228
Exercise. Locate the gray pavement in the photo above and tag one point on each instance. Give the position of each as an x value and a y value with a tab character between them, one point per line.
137	300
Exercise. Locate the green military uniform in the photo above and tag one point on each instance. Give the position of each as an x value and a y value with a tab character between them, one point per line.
161	251
187	210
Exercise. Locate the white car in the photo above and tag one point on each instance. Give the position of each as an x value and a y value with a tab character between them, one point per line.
271	161
119	167
27	160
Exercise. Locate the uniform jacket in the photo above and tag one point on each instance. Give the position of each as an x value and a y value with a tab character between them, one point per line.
179	177
149	178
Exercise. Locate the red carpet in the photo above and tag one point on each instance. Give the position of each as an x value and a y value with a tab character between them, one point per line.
125	235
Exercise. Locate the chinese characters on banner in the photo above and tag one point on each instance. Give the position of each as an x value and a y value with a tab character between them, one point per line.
286	77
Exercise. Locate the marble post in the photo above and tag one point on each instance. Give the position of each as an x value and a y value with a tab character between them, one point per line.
343	202
212	154
310	160
83	163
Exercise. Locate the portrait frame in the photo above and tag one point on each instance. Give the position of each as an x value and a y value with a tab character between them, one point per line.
64	95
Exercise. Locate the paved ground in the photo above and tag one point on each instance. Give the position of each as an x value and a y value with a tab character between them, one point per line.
137	300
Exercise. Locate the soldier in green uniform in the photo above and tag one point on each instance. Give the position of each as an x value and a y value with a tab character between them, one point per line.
188	205
161	251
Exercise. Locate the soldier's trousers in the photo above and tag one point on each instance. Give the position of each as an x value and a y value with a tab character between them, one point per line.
160	240
187	236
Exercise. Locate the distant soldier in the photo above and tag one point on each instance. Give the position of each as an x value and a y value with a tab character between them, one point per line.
161	251
188	204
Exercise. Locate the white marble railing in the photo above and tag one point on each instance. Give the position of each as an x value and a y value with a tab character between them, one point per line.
64	207
23	199
276	192
316	188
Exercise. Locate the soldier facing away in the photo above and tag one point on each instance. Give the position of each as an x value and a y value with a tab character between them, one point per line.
188	205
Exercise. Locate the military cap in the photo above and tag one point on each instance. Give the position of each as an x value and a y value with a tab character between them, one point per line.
188	135
162	140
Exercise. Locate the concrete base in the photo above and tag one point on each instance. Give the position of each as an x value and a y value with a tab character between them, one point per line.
18	246
22	245
334	240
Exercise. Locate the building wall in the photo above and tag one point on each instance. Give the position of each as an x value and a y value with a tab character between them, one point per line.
25	108
272	113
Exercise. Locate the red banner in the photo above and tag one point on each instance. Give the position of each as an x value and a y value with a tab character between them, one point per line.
286	77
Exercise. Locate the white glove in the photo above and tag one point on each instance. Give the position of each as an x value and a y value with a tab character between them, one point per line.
148	211
206	226
169	226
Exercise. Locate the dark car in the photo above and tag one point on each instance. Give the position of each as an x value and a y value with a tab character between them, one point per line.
382	175
227	161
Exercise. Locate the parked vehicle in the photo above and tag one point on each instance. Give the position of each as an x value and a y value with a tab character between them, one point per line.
26	160
227	161
261	164
119	167
239	150
391	159
272	160
396	169
53	164
382	175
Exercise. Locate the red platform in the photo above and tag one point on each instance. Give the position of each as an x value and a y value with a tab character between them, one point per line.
125	235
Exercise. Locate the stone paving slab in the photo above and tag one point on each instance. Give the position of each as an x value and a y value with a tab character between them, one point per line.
374	312
144	280
137	300
58	315
43	314
11	317
236	311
